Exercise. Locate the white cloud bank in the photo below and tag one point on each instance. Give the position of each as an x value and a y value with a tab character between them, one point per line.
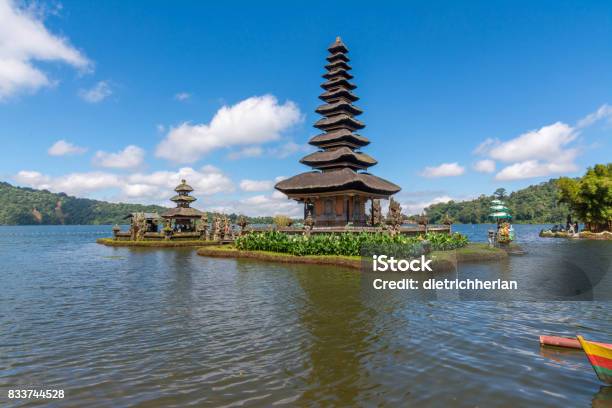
155	187
23	40
97	93
443	170
64	148
128	158
485	166
541	152
259	185
253	121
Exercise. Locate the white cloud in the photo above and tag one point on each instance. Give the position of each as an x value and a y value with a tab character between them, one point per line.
255	120
97	93
443	170
182	96
289	149
262	205
63	148
535	168
250	151
75	183
541	152
604	112
256	185
130	157
485	166
542	143
23	40
156	187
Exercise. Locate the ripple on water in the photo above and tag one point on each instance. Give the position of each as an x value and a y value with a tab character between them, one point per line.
169	328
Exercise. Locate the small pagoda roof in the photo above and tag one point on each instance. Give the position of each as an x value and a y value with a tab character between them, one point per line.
340	157
337	180
339	93
338	82
337	137
182	212
338	107
183	187
339	121
147	215
183	198
338	64
338	57
338	46
338	72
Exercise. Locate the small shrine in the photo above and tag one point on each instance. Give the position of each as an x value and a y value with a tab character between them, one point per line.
183	218
338	189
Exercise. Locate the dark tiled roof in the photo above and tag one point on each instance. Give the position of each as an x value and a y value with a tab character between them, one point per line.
341	155
338	82
184	198
337	94
338	72
339	136
336	180
338	46
338	107
183	187
182	212
338	64
339	121
338	57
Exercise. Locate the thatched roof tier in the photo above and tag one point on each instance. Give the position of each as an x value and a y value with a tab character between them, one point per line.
183	198
182	212
337	57
342	121
183	187
337	73
338	94
331	109
339	137
340	157
338	65
337	46
337	180
338	82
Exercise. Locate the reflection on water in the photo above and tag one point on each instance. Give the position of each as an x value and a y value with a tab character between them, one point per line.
168	328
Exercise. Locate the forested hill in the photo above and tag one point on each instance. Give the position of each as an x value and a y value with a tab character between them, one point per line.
535	204
26	206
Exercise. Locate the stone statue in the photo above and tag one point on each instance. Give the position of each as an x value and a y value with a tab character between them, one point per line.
217	228
308	223
227	229
394	217
376	213
203	226
242	222
167	230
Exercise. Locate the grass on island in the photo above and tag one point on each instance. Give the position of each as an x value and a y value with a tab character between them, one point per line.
155	244
442	260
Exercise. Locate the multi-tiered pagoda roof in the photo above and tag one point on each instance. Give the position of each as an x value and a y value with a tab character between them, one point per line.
183	201
338	164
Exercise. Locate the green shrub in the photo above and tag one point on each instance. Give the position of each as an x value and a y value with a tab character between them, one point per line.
346	244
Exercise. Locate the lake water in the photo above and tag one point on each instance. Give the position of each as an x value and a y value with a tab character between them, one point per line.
151	328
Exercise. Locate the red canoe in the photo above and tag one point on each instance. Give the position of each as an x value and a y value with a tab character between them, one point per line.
565	342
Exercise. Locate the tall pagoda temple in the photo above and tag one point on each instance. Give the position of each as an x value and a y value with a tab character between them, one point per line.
337	190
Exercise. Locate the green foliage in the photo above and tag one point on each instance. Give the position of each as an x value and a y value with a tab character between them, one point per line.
26	206
346	244
535	204
590	197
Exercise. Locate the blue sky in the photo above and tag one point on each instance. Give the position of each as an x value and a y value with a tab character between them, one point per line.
459	97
